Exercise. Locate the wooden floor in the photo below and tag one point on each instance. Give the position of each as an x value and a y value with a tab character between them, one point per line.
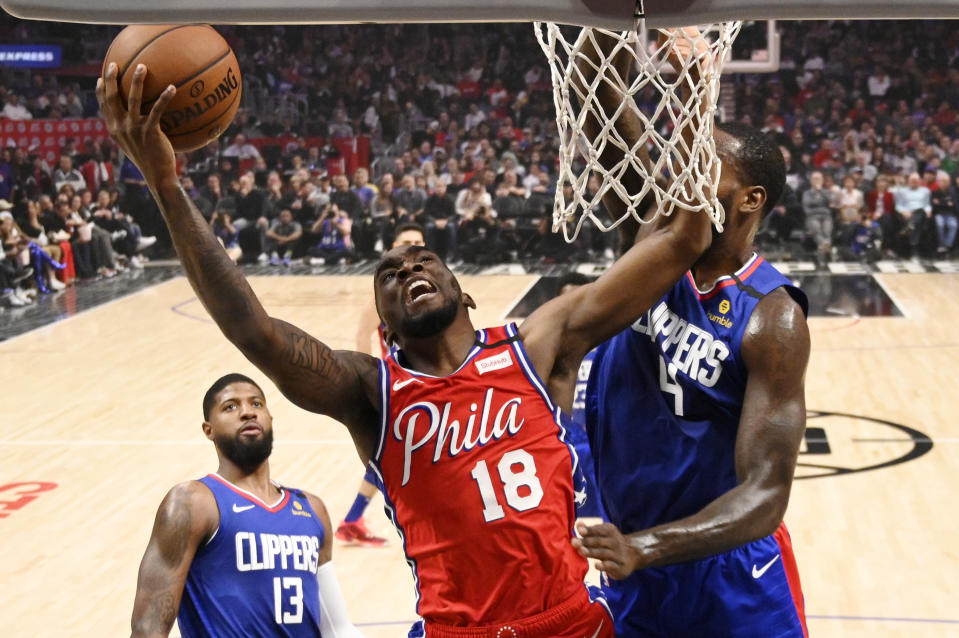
106	405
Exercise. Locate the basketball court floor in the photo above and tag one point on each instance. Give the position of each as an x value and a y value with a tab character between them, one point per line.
102	416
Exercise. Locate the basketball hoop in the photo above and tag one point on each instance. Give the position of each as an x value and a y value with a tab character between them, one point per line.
673	96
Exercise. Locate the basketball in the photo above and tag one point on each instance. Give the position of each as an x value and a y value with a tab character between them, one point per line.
193	58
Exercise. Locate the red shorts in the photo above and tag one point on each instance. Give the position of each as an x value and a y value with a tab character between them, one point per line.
578	617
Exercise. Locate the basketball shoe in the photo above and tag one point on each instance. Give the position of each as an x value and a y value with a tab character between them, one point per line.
356	533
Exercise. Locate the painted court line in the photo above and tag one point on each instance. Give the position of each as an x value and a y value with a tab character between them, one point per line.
892	297
920	439
106	304
176	310
519	298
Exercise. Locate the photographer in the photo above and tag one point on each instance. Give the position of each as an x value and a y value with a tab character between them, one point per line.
222	223
334	229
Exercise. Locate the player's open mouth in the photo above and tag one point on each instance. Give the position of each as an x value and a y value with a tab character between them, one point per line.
418	289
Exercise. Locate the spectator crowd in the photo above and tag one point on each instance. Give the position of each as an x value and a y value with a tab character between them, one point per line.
464	145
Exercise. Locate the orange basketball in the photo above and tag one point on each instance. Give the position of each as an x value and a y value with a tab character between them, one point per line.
197	61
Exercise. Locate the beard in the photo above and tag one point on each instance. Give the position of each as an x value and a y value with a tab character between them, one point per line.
246	454
430	323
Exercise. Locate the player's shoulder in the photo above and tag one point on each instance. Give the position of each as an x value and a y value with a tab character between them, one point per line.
362	363
546	321
366	369
777	327
779	305
192	492
315	502
319	508
189	504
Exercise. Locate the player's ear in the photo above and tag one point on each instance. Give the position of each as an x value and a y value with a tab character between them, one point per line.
468	301
207	430
753	199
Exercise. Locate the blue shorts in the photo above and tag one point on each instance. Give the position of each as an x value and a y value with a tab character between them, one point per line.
752	591
371	478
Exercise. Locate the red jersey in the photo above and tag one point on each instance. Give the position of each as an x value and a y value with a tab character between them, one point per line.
478	480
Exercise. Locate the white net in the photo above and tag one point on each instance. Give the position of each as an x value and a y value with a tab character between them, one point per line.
635	119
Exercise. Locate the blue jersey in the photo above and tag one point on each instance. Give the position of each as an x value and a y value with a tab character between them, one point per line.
580	441
664	399
257	575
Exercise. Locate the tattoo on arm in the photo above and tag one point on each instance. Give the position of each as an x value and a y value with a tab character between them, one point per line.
219	284
306	352
175	544
339	383
177	533
160	614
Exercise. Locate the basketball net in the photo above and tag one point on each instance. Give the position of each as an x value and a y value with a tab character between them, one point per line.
674	153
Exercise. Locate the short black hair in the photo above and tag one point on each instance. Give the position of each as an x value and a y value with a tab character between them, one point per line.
405	226
759	158
227	379
572	278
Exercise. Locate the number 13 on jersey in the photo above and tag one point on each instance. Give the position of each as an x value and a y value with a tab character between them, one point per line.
512	483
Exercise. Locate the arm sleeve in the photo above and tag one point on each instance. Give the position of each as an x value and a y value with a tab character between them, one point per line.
334	622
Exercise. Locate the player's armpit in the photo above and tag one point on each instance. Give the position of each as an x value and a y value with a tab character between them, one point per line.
186	518
339	383
558	334
577	322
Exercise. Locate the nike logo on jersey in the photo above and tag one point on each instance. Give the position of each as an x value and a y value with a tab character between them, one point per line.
758	573
598	629
399	385
238	508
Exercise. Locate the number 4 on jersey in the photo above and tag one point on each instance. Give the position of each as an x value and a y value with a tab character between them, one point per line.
512	481
667	383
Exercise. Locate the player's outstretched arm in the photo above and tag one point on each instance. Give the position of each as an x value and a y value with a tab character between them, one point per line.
334	621
340	384
560	332
614	53
186	518
776	351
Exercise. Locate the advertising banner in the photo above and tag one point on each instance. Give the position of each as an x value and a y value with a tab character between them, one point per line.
37	56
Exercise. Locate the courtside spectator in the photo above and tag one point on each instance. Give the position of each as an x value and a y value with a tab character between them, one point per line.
913	202
282	237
